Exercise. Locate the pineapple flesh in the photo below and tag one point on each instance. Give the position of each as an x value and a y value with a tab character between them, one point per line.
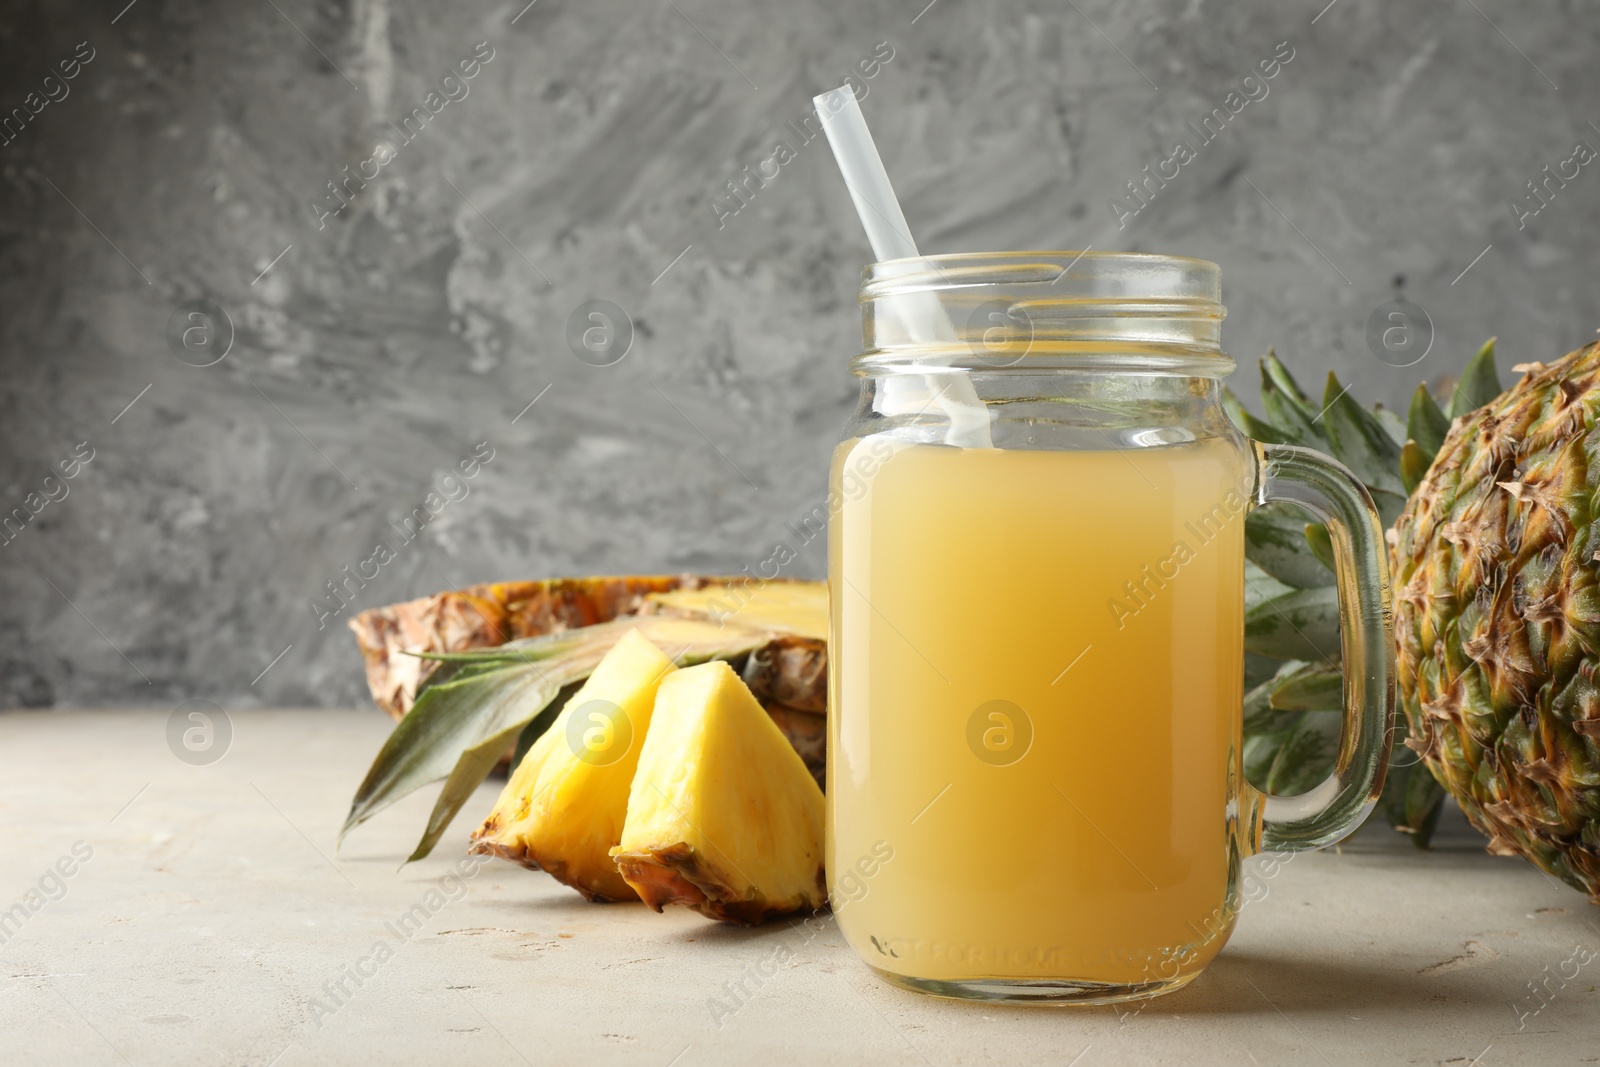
789	607
566	802
723	816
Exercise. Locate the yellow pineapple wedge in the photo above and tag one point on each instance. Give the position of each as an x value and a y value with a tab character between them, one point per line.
564	807
723	815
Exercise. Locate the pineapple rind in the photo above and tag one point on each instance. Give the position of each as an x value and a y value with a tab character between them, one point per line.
679	874
1497	618
485	616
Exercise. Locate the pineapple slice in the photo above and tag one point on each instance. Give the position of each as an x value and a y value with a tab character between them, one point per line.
564	807
723	815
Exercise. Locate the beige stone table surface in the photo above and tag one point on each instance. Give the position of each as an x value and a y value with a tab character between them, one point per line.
204	919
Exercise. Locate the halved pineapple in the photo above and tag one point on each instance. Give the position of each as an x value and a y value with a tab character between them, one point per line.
723	815
485	616
565	805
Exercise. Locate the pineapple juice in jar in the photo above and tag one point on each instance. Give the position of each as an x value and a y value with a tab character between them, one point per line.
1036	708
1036	649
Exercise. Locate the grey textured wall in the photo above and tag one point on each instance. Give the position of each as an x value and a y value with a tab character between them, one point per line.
585	163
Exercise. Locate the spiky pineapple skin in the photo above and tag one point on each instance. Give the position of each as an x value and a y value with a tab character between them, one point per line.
1498	618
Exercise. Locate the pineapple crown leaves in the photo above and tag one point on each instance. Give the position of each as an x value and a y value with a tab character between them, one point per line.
1370	443
1291	610
1390	457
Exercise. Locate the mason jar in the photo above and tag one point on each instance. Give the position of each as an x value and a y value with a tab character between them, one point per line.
1037	573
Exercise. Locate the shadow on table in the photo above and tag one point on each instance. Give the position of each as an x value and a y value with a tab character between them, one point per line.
1277	987
567	905
789	930
1256	983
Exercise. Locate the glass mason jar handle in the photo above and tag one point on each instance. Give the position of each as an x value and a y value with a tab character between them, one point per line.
1328	491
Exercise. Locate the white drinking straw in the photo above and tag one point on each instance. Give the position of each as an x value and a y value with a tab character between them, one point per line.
864	175
890	237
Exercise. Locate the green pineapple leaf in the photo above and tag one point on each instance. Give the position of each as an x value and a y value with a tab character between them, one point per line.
1391	424
1312	687
1260	587
445	734
472	767
1281	379
1301	624
1258	669
454	672
1426	422
1412	799
1414	465
1393	798
1320	543
1283	752
1389	505
1260	749
1265	731
1359	441
1479	384
1306	756
1288	415
1274	540
541	722
1252	427
1258	711
1424	803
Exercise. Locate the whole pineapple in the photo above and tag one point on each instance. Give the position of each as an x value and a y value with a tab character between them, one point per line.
1498	618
